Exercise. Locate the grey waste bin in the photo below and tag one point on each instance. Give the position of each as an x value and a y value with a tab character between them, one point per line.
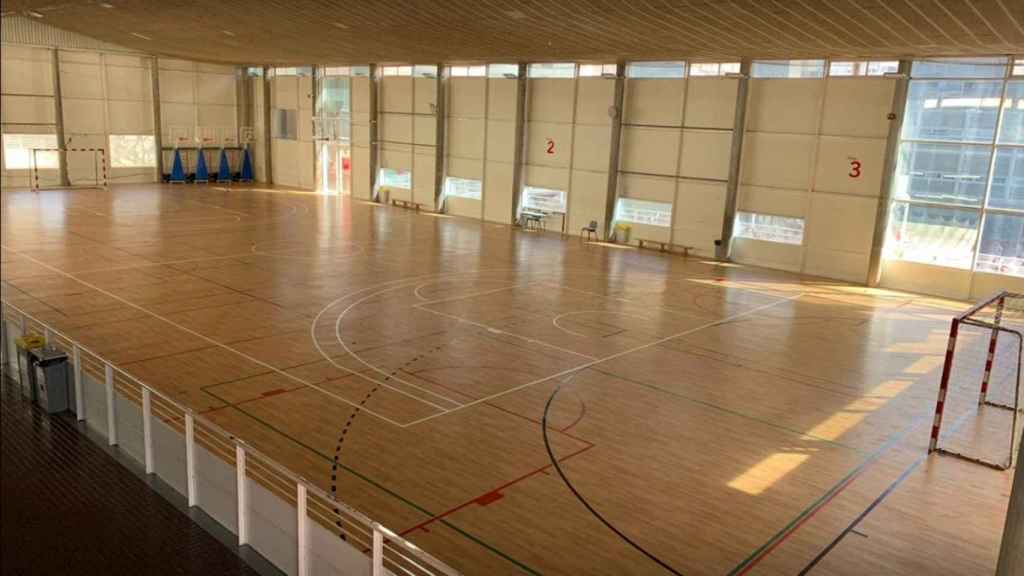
50	379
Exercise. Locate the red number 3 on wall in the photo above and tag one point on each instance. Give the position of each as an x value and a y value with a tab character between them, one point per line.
854	169
551	146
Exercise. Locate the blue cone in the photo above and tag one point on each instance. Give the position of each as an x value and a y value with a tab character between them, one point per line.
246	175
224	170
202	174
177	171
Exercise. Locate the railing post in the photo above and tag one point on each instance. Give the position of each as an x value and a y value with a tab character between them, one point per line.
111	405
147	428
302	535
76	355
378	551
243	496
190	458
47	336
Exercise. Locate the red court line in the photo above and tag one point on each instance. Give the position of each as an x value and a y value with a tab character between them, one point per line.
262	396
491	495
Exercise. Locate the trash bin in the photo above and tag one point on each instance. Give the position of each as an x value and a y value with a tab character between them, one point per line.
50	379
25	344
622	232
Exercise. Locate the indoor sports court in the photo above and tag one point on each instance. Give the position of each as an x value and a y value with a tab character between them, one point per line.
399	289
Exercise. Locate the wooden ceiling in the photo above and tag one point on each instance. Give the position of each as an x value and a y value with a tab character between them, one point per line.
426	31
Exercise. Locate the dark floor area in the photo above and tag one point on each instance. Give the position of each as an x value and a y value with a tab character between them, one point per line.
69	507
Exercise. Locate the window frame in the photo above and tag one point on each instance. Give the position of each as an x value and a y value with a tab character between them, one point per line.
450	188
563	196
113	156
663	218
740	227
406	174
52	158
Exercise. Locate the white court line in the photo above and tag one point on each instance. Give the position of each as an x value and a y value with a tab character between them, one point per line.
606	358
210	340
493	330
554	320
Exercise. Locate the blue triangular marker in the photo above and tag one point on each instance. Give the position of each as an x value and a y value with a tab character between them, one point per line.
202	174
246	175
224	170
177	171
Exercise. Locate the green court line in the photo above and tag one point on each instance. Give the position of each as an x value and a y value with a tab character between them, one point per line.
384	489
729	411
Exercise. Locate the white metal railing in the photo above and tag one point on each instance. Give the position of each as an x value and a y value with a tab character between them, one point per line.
388	552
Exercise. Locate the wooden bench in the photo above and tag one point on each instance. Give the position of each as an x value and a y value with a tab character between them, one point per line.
407	204
665	246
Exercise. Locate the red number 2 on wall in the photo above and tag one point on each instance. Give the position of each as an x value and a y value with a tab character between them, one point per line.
551	146
854	169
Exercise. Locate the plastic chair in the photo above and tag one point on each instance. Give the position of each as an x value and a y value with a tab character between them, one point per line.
590	229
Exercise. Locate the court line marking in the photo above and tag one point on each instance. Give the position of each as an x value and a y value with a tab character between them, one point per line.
611	357
204	337
554	320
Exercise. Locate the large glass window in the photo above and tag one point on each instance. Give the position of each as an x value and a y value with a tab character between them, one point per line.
285	124
952	110
788	69
18	151
644	212
714	68
862	68
770	228
958	191
591	70
544	199
391	178
463	188
552	70
132	151
949	173
656	70
503	70
1002	245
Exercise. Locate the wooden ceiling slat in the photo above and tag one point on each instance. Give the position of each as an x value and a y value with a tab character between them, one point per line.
302	32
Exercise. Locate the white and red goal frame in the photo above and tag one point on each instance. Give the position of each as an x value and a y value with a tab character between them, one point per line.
987	314
99	165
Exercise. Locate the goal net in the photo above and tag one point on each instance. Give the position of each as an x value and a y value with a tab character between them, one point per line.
976	414
85	168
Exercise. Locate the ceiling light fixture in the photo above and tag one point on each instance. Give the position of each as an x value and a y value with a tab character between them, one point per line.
34	14
340	25
228	32
143	36
106	5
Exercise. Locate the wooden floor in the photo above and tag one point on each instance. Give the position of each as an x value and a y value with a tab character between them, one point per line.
705	418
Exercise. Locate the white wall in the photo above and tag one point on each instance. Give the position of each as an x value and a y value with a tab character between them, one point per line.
407	130
292	162
197	106
676	144
803	137
361	169
27	105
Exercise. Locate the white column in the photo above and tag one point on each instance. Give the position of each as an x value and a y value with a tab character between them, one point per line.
302	530
76	354
147	428
378	551
243	496
190	457
111	406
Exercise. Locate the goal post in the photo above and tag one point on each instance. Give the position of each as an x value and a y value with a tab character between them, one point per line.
85	167
981	372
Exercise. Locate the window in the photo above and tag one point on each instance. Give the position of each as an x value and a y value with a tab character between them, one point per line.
591	70
18	151
714	68
932	234
462	187
391	178
285	125
644	212
132	151
544	199
788	69
396	70
424	71
862	68
1002	245
959	68
1011	130
337	71
957	198
656	70
503	70
952	110
294	71
784	229
1018	67
360	70
253	71
552	70
467	71
947	173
